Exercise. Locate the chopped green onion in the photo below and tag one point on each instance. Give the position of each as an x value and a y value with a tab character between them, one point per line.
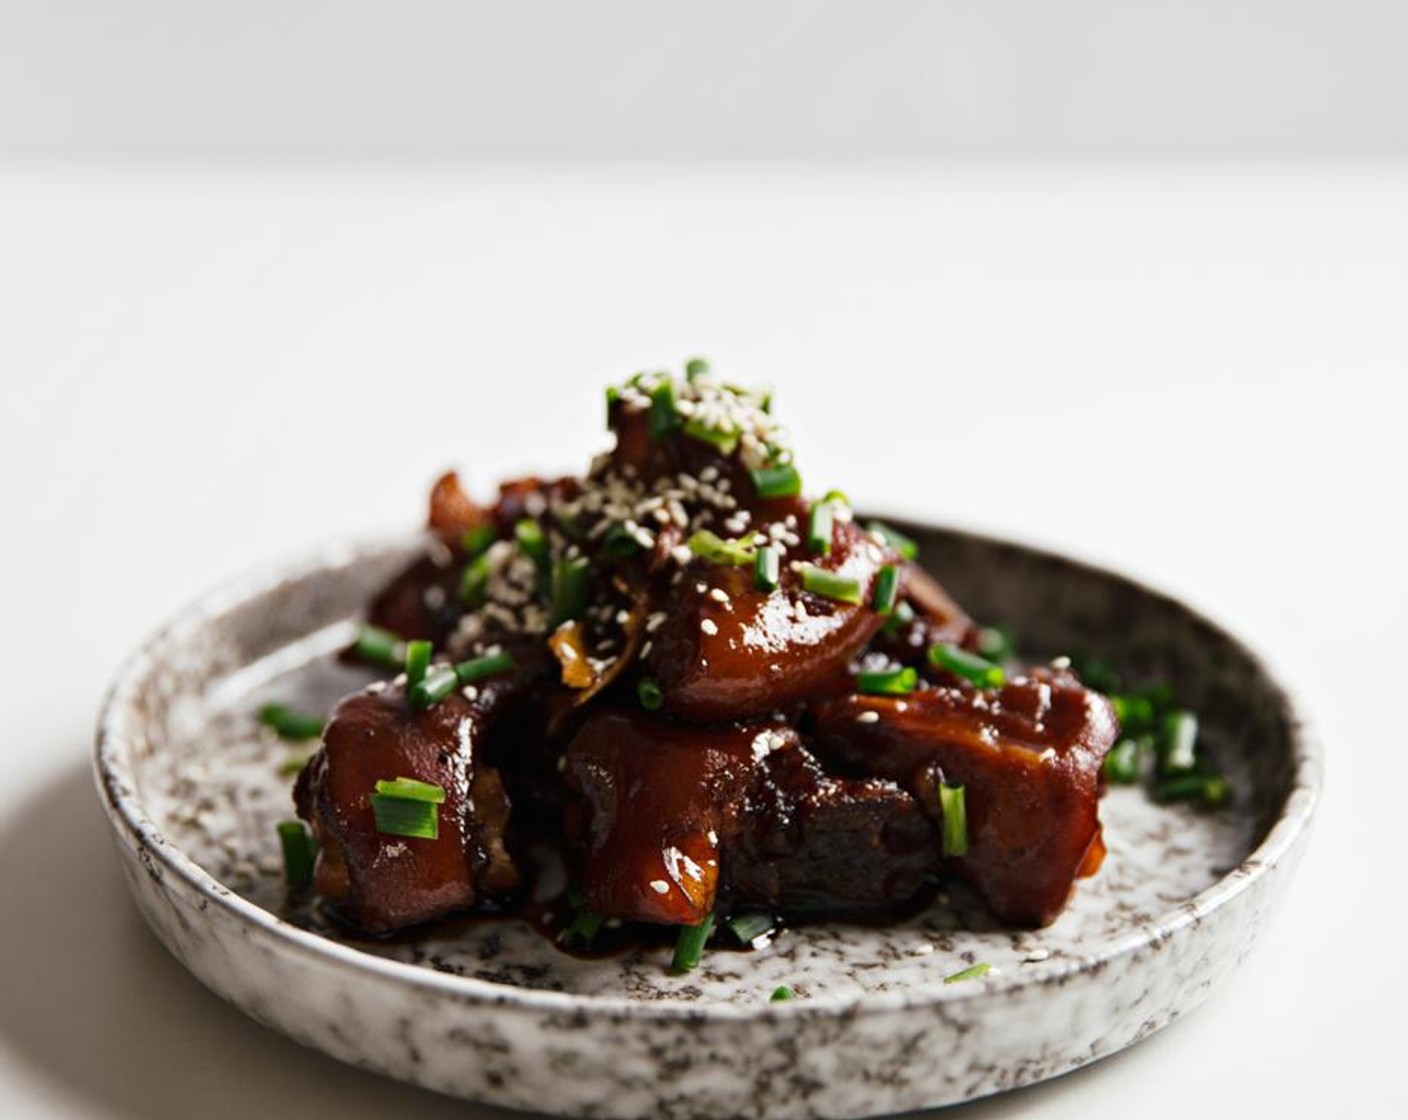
820	527
713	548
477	668
474	581
437	685
690	945
1096	673
663	417
725	440
1135	712
887	586
747	928
1179	754
893	538
619	543
954	806
289	724
777	482
695	368
887	682
411	789
1211	789
903	615
973	972
781	994
571	588
969	666
532	541
613	394
293	764
997	644
380	647
768	568
836	497
476	539
586	924
405	816
832	585
1122	763
650	695
299	850
418	655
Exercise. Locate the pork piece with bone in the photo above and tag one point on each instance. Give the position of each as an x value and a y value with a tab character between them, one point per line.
674	820
1029	758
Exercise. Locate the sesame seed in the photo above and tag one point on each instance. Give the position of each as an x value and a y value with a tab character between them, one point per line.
659	886
709	626
868	717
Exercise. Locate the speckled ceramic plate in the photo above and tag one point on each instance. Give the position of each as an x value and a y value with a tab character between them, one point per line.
492	1011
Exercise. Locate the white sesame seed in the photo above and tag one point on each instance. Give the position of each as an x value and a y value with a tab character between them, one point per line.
868	717
709	626
659	886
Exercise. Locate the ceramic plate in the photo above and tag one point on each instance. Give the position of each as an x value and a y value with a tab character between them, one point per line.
491	1011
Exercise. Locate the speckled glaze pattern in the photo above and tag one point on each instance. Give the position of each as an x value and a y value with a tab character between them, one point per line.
491	1011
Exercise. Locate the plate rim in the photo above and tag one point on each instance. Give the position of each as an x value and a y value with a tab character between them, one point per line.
136	828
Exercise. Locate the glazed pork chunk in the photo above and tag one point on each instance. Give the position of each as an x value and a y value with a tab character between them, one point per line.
377	876
675	820
1028	757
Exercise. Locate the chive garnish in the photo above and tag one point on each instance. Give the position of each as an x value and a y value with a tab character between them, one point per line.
476	539
380	647
299	850
777	482
437	684
586	924
488	665
832	585
690	945
724	440
613	394
887	586
887	682
532	541
651	696
767	569
293	764
902	616
411	789
663	417
747	928
474	581
1211	789
696	368
1122	763
417	662
713	548
289	724
954	807
997	644
893	538
571	587
820	527
406	816
619	543
969	666
781	994
972	972
1179	754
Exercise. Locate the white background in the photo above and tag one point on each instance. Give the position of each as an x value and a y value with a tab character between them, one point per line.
1188	368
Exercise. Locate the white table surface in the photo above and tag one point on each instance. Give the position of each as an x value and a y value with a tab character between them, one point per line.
1193	372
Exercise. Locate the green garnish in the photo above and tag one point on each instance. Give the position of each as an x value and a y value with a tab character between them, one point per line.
1179	753
887	682
406	816
781	994
969	666
820	527
893	538
747	928
619	543
474	581
832	585
1135	712
777	482
613	395
887	586
695	368
411	789
418	655
289	724
1211	789
690	945
902	616
1122	763
571	589
586	924
293	764
488	665
663	417
725	440
437	685
1096	673
475	540
380	647
650	694
767	569
299	850
997	644
713	548
531	539
972	972
955	813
